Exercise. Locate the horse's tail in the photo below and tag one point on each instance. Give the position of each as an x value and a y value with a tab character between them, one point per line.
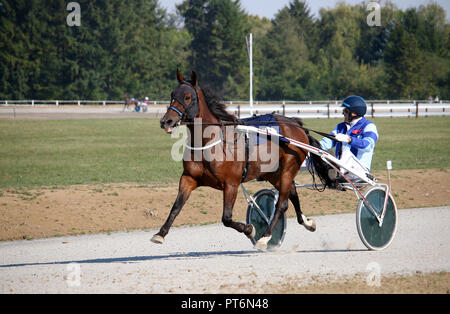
316	164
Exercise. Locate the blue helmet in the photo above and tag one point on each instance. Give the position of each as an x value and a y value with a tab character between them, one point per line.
355	104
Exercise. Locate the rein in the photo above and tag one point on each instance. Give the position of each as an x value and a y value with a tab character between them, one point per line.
327	135
222	123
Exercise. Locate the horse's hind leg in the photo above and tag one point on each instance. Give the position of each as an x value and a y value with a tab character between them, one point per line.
309	224
287	191
187	185
229	198
280	209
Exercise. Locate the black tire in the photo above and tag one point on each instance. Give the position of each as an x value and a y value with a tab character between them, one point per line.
266	200
372	235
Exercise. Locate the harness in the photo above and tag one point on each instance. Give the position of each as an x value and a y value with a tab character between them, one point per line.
247	151
204	147
191	111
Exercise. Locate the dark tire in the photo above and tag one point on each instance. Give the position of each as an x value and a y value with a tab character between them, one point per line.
260	219
372	235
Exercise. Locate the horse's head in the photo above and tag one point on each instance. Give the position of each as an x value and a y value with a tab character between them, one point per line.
183	103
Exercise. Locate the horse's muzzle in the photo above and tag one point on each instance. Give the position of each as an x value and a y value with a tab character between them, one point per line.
168	125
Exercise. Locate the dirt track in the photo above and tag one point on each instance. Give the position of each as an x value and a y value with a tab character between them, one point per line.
215	259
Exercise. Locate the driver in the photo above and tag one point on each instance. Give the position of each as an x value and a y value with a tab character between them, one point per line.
355	138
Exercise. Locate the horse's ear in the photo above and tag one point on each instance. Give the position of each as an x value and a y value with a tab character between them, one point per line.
180	77
194	80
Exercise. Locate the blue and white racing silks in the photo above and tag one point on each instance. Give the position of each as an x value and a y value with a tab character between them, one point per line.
364	135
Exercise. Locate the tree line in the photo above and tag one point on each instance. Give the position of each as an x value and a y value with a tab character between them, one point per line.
135	46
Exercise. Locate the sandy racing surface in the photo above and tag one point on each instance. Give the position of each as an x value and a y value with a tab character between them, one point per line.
212	258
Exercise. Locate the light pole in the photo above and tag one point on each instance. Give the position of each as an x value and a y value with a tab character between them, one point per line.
249	41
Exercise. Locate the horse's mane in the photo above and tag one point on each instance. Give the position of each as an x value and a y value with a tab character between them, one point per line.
215	106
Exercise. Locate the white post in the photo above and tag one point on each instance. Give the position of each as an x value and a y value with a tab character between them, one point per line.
389	168
251	74
249	42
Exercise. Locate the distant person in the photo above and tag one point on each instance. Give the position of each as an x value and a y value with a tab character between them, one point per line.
355	138
127	103
436	100
145	105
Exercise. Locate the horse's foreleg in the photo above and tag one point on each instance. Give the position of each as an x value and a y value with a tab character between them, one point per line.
187	185
229	198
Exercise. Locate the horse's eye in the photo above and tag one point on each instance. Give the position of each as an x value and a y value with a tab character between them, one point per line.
187	98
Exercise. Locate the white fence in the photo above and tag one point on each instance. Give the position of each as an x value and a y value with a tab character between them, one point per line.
60	102
333	110
316	109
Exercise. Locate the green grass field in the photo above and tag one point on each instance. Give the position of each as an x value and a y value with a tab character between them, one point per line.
64	152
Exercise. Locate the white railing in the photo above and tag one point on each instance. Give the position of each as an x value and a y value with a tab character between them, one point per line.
69	102
304	109
334	110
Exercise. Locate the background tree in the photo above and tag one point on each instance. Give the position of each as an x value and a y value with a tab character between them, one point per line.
287	71
218	53
134	47
404	62
19	46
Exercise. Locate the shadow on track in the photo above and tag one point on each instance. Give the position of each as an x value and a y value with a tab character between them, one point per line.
174	256
133	259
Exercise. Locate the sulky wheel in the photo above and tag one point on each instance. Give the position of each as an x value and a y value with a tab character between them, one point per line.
374	236
260	217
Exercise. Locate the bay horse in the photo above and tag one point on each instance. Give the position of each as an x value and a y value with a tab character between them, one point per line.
129	102
190	103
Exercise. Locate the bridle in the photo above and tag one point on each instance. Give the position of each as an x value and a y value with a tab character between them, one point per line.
190	111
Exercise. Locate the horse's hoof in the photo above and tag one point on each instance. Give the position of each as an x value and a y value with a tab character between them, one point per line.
261	245
157	239
309	224
253	233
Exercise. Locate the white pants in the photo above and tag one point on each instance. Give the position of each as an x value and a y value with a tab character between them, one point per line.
349	160
352	163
